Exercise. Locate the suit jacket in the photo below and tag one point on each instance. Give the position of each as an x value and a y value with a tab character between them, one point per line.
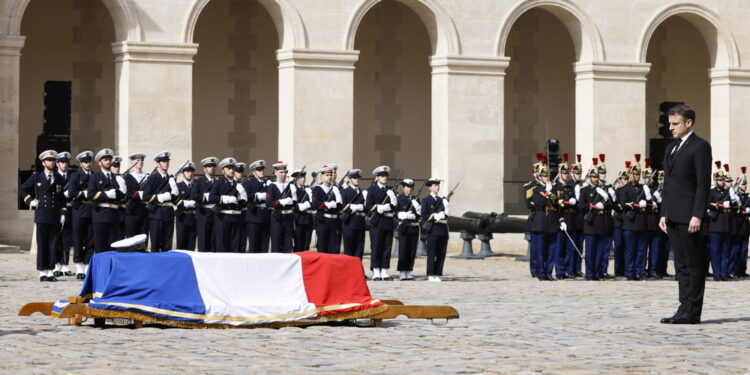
687	180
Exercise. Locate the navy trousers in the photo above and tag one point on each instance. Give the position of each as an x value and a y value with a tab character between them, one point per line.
720	248
619	243
546	246
381	242
636	245
595	246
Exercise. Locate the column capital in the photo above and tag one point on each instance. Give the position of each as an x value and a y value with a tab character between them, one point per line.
151	52
317	59
730	76
469	65
611	71
11	45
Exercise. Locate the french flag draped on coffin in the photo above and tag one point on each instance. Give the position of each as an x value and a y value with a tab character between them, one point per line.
229	289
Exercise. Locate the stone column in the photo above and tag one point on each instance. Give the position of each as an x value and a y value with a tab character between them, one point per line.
730	133
154	97
610	112
467	129
316	100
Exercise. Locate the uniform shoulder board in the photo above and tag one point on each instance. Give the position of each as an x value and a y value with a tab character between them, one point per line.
527	184
529	193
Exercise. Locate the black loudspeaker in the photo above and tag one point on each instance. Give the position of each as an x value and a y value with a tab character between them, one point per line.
553	157
658	146
57	99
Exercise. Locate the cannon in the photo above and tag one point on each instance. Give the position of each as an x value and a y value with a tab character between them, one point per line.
481	226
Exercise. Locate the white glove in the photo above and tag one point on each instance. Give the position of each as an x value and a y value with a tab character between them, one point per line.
726	204
548	187
357	207
140	194
62	220
163	197
330	204
402	215
747	210
121	184
563	227
303	206
86	194
642	203
612	192
383	208
241	190
572	201
392	196
286	201
269	182
416	205
600	206
228	199
439	216
189	203
173	187
205	197
602	193
66	194
309	191
446	206
411	216
657	195
111	194
34	203
260	196
647	192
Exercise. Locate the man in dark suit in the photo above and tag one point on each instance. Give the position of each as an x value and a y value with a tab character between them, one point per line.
686	185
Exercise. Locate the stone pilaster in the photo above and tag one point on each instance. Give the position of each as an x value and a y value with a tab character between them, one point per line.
730	100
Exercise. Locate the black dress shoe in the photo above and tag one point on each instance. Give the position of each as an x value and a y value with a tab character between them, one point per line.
579	274
42	278
717	278
57	273
685	320
69	273
80	276
562	277
589	278
51	278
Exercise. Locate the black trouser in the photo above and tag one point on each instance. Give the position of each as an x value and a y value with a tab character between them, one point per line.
407	250
243	236
104	235
205	231
381	241
64	242
354	242
161	235
326	230
436	248
136	224
258	235
227	231
46	242
282	233
302	236
83	241
690	266
186	236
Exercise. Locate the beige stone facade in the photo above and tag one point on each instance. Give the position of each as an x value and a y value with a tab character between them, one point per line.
465	90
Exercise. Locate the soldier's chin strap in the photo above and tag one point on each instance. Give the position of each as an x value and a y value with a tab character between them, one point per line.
573	243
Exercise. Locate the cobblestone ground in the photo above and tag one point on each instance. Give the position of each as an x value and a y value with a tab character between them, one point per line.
510	323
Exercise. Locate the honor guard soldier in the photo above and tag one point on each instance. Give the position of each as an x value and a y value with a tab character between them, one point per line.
663	258
83	240
568	214
326	201
743	226
594	203
185	211
353	216
576	171
610	222
617	237
340	186
105	194
229	196
136	215
116	163
239	176
733	225
528	189
380	204
435	211
303	218
545	224
655	243
43	192
409	214
258	217
719	225
159	193
62	251
204	212
633	198
282	197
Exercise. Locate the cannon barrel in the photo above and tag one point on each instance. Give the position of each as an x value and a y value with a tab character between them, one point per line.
495	223
479	215
506	224
459	224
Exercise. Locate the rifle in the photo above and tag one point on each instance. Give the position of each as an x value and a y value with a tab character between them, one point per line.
631	214
162	189
287	191
374	217
589	216
428	223
341	181
410	207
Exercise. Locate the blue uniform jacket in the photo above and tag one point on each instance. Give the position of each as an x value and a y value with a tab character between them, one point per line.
351	195
256	211
375	196
155	185
49	195
225	187
98	184
78	183
404	205
431	205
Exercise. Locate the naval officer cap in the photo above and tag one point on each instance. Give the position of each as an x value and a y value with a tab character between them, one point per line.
326	168
190	166
228	163
162	156
116	161
354	173
382	170
240	167
432	181
47	155
137	155
135	243
209	161
299	173
104	153
334	167
407	182
258	165
85	156
280	165
63	156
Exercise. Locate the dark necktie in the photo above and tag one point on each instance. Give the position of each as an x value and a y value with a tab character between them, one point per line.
49	179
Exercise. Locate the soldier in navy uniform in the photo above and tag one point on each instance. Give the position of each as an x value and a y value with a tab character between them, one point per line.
326	201
655	235
435	211
83	240
65	242
258	217
610	221
380	204
734	224
304	217
594	204
239	176
743	227
229	196
528	189
409	214
159	193
633	198
545	224
719	231
568	214
43	192
204	214
352	216
617	236
282	197
136	215
577	181
185	212
116	163
105	194
663	258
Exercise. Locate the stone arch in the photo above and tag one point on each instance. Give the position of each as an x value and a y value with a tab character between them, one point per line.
722	47
586	38
124	17
289	25
439	24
